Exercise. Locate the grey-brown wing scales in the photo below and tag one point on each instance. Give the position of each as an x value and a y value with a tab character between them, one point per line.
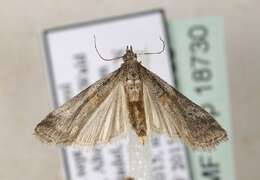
95	115
170	112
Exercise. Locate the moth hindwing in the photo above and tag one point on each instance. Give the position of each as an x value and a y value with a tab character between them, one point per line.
130	97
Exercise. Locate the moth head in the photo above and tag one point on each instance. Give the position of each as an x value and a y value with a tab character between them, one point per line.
129	54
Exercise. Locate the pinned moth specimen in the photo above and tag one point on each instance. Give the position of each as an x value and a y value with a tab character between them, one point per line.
130	97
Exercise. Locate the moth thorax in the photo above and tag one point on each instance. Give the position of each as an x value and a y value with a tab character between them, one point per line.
133	89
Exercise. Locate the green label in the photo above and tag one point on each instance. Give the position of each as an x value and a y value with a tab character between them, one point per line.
199	58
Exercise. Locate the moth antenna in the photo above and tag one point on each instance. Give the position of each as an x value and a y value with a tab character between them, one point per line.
105	59
159	52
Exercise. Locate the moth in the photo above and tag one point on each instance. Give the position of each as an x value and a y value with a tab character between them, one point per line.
131	97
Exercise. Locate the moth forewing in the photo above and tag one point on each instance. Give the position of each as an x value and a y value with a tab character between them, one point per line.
179	117
64	124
